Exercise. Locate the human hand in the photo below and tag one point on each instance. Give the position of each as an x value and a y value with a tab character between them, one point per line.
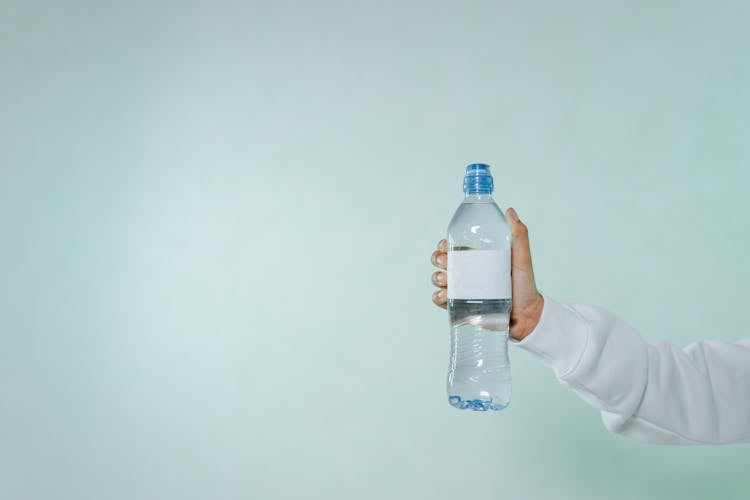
527	301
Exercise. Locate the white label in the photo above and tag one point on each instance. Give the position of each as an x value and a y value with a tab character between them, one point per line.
479	274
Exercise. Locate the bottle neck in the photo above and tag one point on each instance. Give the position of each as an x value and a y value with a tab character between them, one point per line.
478	198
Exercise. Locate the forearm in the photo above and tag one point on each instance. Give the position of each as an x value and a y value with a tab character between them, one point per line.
657	393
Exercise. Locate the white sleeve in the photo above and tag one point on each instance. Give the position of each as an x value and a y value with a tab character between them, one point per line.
656	393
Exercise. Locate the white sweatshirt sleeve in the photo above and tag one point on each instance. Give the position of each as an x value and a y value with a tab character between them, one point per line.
656	393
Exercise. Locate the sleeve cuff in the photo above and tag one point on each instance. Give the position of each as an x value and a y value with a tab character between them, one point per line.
560	338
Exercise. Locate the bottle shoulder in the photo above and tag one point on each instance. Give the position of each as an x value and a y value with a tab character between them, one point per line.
478	213
479	225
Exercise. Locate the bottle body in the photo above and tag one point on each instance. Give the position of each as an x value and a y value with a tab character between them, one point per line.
479	304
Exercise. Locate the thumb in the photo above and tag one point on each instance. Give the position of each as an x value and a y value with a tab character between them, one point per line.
520	251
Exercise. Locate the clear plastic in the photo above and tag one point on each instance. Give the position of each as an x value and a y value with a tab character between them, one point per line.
479	371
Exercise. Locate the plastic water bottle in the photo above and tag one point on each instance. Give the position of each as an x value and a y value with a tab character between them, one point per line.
479	298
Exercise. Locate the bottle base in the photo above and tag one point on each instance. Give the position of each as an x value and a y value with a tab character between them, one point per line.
475	404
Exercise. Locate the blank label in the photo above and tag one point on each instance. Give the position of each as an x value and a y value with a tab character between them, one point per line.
479	274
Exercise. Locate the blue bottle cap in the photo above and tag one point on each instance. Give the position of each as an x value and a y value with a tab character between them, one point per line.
478	179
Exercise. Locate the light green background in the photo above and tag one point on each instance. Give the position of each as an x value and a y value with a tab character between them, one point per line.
216	221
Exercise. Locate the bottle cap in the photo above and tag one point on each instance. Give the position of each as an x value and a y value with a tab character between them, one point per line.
478	179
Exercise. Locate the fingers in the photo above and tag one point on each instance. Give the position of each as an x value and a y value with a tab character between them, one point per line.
439	259
440	256
521	252
439	278
439	297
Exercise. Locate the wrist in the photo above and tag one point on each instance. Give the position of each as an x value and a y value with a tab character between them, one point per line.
528	318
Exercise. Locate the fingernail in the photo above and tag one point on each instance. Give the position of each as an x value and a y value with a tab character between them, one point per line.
514	214
441	260
441	294
439	278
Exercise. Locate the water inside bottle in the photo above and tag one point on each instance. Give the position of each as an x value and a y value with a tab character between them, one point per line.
479	374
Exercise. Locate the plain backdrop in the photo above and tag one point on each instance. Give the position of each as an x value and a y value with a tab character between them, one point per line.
216	220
